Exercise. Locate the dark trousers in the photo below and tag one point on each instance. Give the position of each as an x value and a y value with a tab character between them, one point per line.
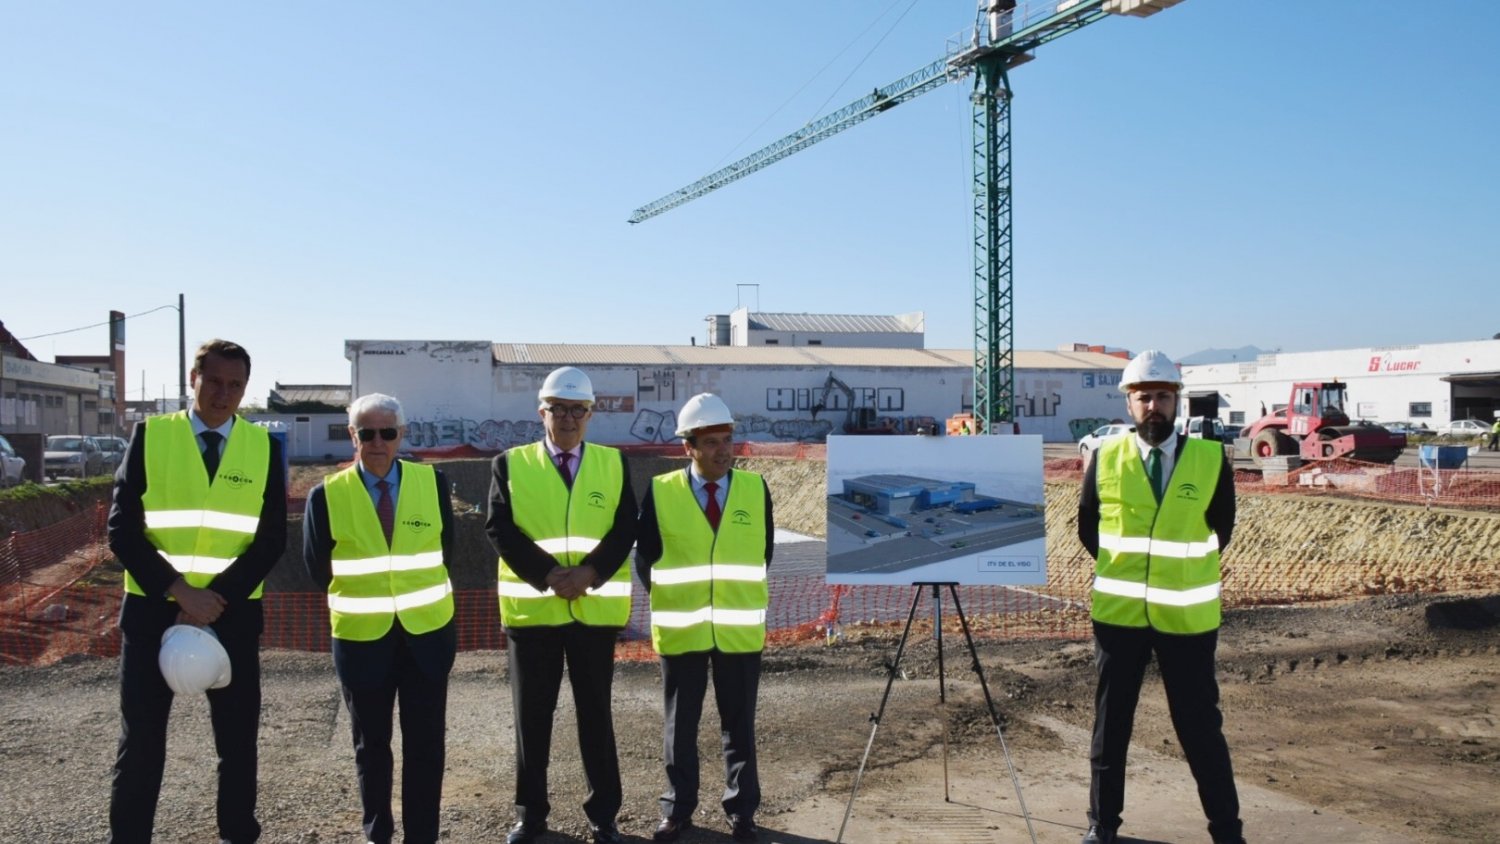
537	656
684	684
146	704
1121	655
374	676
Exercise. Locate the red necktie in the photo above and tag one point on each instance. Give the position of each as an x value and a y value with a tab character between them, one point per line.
712	508
563	462
385	510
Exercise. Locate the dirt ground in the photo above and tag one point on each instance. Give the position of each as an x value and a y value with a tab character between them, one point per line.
1374	719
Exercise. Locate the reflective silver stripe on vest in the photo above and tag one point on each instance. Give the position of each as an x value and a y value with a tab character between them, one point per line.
159	519
708	614
740	617
1155	594
1158	547
610	589
386	605
193	564
564	544
677	575
387	564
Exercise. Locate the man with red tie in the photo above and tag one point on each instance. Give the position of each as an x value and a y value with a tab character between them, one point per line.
378	536
703	549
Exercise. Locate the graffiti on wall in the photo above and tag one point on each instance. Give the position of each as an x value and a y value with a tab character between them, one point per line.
1038	398
487	434
654	426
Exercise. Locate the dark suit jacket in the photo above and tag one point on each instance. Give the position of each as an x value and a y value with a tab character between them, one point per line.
372	662
648	547
1220	513
527	559
127	539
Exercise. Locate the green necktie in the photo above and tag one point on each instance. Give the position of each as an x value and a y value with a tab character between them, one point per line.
1153	467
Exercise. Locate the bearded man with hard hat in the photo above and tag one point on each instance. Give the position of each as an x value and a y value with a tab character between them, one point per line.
378	536
562	518
198	520
1156	510
703	549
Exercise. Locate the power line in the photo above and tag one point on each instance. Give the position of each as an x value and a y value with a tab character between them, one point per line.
95	325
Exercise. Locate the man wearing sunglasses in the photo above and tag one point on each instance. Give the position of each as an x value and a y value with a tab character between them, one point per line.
199	519
1156	509
378	536
562	518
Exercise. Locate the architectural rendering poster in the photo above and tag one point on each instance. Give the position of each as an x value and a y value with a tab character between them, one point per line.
966	510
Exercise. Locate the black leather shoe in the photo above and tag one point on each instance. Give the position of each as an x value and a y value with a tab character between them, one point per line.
742	829
525	833
606	834
670	828
1098	835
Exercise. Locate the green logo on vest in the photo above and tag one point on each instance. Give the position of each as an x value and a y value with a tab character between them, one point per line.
596	499
741	517
1188	491
416	523
234	479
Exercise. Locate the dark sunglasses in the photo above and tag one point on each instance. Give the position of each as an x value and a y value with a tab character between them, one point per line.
576	411
387	434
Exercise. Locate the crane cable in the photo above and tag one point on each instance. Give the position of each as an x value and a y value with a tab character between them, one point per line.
819	73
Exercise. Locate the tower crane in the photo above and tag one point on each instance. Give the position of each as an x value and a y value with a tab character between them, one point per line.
1003	38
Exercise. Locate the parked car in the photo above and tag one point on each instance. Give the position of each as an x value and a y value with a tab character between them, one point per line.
1410	429
72	456
12	465
1091	442
1463	428
114	452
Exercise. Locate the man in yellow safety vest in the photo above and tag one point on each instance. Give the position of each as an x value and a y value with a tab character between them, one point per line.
703	549
378	537
562	518
1155	510
198	520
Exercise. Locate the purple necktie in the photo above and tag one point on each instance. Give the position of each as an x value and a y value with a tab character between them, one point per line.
385	510
563	462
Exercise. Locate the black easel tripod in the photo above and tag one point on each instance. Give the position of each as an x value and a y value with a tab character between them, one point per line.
937	631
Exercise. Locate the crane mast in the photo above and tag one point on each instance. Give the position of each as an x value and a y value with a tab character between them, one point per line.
1003	38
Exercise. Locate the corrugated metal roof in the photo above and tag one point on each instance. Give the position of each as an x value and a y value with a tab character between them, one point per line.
561	354
831	323
336	395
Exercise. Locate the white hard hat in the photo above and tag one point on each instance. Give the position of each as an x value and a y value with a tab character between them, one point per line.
1150	367
192	660
566	382
704	410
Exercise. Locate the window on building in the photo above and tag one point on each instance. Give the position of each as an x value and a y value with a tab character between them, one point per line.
1236	417
338	432
814	342
773	342
1420	410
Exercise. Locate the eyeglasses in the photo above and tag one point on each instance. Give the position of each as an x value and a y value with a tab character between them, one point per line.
387	434
577	411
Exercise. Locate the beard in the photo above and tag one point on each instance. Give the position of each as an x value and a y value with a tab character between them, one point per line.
1155	429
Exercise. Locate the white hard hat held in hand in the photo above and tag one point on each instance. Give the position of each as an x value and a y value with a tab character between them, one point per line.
192	660
704	410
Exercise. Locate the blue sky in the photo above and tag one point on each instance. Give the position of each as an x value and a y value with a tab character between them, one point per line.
1294	174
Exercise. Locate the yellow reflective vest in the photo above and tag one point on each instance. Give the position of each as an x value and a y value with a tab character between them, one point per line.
1158	565
373	583
708	590
568	524
200	529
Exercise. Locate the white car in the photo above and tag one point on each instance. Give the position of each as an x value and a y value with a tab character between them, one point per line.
1463	428
12	465
1091	442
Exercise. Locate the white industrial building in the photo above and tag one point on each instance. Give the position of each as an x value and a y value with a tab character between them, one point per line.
483	394
1432	383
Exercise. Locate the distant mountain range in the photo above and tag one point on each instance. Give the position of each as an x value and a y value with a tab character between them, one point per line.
1244	354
